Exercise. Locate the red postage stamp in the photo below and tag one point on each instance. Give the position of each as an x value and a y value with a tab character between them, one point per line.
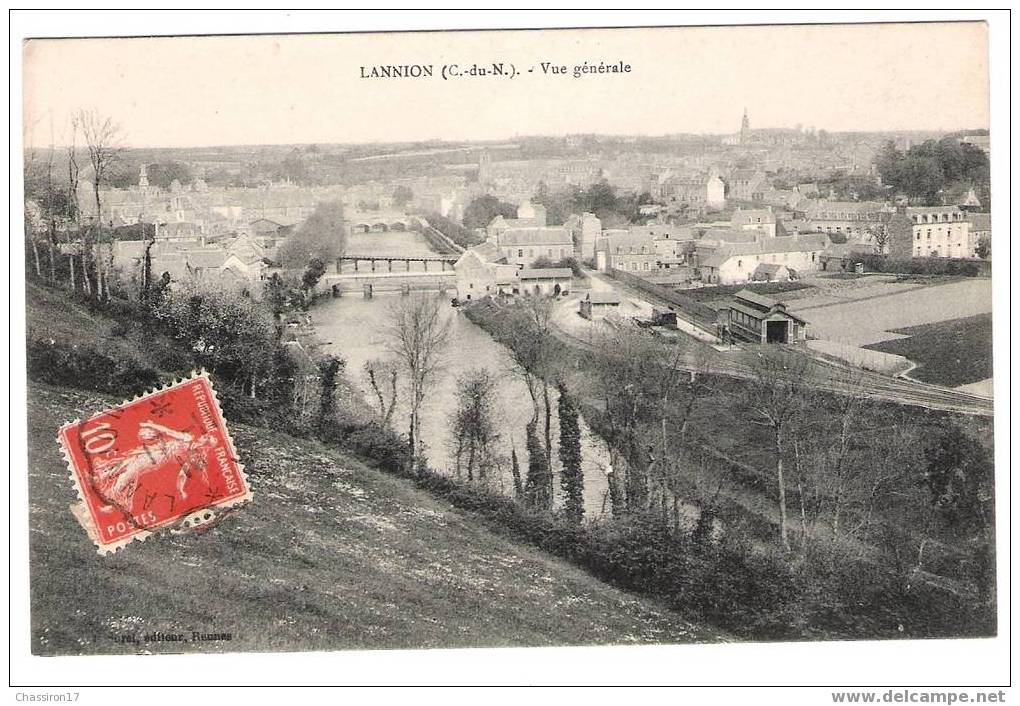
163	459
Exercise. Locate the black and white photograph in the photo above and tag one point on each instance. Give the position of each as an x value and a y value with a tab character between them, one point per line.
509	338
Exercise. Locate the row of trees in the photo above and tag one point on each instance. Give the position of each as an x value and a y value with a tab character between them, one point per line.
601	198
926	171
614	209
842	476
483	209
163	174
417	334
320	237
454	231
60	219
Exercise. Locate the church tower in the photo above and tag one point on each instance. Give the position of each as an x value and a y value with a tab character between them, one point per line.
143	178
745	129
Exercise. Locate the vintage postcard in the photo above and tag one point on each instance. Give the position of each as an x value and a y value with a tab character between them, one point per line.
622	336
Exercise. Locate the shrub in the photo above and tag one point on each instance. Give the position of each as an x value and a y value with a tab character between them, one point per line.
922	265
84	367
568	262
378	443
227	332
462	236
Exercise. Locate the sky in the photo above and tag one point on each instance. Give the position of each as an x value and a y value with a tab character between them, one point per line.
294	89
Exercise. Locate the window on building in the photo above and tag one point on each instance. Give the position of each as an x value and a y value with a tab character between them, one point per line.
740	263
520	253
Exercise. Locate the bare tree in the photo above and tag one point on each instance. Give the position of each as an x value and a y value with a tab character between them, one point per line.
474	431
880	237
850	401
681	380
630	369
382	378
774	395
30	224
102	140
32	228
887	458
417	334
306	394
73	177
527	333
53	209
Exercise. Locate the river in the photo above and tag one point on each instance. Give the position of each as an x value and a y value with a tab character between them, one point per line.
351	327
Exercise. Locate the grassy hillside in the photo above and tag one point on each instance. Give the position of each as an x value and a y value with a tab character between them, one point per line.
951	353
331	554
51	314
138	354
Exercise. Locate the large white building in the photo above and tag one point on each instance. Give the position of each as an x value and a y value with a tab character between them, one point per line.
644	250
523	246
738	263
930	231
859	221
483	271
525	239
707	191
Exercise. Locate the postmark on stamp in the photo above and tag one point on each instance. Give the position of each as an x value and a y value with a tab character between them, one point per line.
161	460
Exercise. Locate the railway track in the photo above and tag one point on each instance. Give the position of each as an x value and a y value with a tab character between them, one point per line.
831	376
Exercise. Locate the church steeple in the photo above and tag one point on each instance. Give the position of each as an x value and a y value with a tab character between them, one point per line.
745	128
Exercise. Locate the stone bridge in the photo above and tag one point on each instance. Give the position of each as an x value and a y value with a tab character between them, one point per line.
382	222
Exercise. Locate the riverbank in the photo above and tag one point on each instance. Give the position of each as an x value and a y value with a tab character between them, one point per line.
470	348
727	466
753	591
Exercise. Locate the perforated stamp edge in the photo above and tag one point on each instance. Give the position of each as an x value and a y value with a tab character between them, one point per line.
192	520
